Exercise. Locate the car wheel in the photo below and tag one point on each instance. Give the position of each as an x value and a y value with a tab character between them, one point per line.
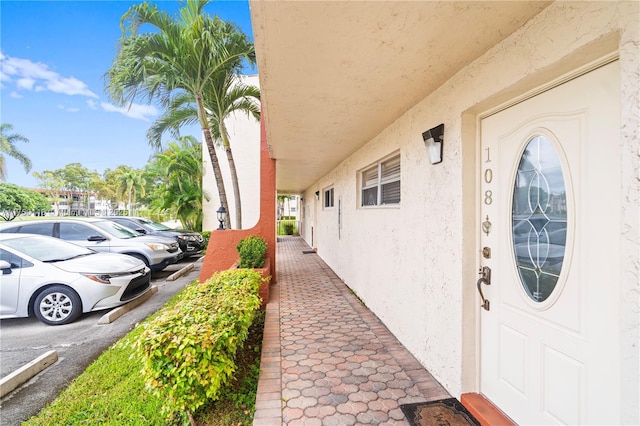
57	305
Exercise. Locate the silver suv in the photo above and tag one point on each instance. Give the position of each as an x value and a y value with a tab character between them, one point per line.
105	236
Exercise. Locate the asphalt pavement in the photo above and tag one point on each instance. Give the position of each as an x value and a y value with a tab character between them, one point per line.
77	344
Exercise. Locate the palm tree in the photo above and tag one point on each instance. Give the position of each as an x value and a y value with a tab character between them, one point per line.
179	57
179	173
226	96
131	184
7	146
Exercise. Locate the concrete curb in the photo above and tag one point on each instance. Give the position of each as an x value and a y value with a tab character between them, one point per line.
116	313
25	373
180	273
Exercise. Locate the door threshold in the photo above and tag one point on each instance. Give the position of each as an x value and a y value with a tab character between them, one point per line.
484	411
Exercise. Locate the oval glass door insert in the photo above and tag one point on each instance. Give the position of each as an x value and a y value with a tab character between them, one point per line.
539	218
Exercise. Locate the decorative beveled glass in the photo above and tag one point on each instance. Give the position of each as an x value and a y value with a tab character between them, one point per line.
539	218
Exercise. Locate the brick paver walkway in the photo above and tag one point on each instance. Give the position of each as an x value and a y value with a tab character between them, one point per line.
327	360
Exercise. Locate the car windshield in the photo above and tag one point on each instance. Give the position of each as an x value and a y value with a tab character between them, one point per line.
155	225
46	249
115	229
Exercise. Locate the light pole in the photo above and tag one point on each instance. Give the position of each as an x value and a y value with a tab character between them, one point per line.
222	215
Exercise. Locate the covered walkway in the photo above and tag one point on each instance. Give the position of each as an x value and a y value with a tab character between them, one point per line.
327	360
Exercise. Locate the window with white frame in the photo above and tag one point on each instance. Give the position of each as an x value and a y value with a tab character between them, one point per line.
328	198
380	183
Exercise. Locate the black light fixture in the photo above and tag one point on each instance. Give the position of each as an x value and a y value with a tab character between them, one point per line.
317	195
222	215
433	140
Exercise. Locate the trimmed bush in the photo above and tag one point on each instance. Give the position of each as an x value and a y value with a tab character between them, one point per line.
252	251
188	351
288	228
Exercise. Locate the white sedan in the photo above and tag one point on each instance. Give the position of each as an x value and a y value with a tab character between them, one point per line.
57	281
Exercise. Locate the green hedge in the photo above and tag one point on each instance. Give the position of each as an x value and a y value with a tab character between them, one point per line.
188	351
287	227
252	251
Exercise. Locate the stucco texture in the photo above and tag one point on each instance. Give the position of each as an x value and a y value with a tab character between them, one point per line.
415	265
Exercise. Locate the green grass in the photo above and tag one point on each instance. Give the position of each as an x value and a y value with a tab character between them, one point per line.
112	392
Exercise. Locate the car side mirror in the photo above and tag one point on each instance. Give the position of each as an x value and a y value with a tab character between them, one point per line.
96	238
141	230
5	267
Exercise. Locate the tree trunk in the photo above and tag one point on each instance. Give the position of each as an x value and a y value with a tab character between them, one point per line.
234	174
217	173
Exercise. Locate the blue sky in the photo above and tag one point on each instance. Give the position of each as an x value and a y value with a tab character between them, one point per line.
53	56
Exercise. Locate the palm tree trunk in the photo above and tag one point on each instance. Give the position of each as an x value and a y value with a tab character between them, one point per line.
234	174
217	173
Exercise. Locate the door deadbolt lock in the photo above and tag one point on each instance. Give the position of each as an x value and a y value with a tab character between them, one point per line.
486	252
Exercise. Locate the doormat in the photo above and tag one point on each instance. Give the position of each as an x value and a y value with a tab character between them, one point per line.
435	413
308	251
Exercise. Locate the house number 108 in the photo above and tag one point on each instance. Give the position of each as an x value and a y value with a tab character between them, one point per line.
488	177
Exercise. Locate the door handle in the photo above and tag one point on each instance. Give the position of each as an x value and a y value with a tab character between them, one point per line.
485	278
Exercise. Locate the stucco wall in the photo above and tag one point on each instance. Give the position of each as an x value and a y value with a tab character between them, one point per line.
244	134
415	265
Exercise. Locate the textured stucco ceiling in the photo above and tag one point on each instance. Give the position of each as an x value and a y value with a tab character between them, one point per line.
333	74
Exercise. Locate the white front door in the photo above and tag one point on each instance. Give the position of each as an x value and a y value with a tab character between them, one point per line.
551	208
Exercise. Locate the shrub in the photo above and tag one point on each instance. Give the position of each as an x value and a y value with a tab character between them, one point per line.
252	251
206	235
288	228
188	351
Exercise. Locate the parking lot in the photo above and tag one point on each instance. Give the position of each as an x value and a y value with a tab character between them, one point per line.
77	345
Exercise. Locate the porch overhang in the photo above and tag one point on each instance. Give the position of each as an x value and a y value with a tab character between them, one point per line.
334	74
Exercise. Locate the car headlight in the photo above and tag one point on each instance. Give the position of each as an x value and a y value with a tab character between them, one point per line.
187	237
99	278
157	246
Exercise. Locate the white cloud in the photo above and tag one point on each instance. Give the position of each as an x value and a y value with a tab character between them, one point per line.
137	111
67	109
25	83
4	77
92	104
37	76
15	95
69	86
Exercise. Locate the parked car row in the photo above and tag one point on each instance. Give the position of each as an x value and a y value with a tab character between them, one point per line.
58	268
191	242
104	236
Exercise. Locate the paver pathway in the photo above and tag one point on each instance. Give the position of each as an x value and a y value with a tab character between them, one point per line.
327	360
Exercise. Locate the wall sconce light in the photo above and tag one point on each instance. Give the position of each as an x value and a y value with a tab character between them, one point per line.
433	140
222	215
317	195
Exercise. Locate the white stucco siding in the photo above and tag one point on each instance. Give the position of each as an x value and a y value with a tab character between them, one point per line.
630	242
406	263
244	136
